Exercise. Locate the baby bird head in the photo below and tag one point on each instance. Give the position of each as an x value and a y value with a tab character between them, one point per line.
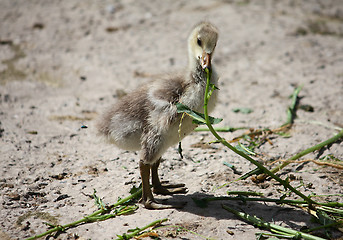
201	44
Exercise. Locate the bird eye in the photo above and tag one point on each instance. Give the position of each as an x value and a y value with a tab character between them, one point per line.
199	42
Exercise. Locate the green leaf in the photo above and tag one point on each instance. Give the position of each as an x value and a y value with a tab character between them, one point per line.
49	224
242	110
98	202
284	134
249	149
133	229
235	171
122	237
134	190
243	149
198	118
291	111
255	171
228	164
213	87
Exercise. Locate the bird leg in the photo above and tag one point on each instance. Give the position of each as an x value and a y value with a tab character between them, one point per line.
164	188
147	197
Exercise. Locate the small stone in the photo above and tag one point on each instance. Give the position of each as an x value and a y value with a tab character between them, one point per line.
61	197
14	196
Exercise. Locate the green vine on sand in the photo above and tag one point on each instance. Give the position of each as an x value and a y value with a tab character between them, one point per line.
318	209
119	208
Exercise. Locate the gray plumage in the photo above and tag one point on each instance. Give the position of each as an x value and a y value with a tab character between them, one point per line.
147	119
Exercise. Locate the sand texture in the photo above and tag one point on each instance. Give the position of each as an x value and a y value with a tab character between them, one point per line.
63	62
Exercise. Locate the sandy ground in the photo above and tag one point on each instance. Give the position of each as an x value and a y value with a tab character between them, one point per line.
63	62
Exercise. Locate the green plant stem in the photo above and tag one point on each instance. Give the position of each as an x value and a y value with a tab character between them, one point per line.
275	200
334	224
220	129
277	236
272	227
244	193
89	218
136	232
291	111
307	151
331	209
242	154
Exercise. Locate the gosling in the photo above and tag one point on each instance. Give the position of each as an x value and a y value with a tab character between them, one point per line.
147	119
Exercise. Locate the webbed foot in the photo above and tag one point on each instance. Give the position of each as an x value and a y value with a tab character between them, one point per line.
166	188
153	204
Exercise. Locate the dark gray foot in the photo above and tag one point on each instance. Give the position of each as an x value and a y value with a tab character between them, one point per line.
166	188
153	204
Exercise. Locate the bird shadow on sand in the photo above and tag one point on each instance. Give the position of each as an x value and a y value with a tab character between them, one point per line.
292	217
